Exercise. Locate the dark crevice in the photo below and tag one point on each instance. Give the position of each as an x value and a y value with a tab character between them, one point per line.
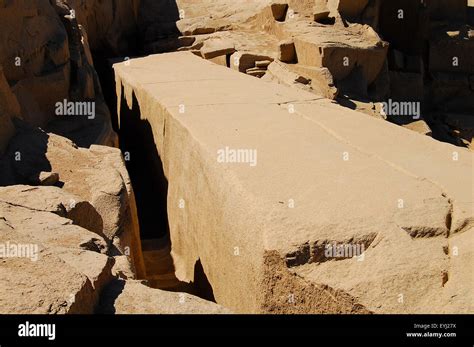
145	167
109	295
201	283
146	171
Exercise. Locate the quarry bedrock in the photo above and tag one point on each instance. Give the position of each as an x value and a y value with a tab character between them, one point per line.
233	209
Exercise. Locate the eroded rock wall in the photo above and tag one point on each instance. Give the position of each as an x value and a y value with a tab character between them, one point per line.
45	58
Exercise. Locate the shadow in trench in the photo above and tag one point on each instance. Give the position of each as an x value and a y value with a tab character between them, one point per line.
151	189
201	284
146	171
150	186
157	20
109	295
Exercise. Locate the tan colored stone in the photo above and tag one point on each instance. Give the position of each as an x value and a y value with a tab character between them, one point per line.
97	267
216	47
420	127
133	297
220	60
321	79
122	268
50	229
54	200
48	178
61	273
354	203
241	61
284	75
341	50
96	175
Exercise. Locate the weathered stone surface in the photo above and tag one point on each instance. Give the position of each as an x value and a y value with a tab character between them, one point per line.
97	267
341	50
255	233
62	272
50	229
243	61
42	67
46	59
133	297
350	52
54	200
110	25
216	47
284	75
27	286
252	233
207	17
321	79
97	176
420	127
122	268
220	60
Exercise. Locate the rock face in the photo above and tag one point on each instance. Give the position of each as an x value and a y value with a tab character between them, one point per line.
9	108
110	25
77	230
96	175
41	72
272	196
58	266
46	59
374	50
51	264
253	204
